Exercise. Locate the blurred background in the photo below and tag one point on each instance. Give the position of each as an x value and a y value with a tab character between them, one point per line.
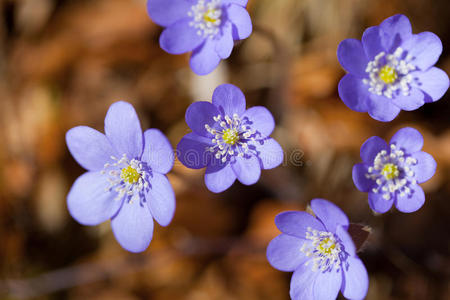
63	62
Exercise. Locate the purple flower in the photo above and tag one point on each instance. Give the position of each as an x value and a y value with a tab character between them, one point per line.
208	28
125	179
391	173
320	252
230	141
391	69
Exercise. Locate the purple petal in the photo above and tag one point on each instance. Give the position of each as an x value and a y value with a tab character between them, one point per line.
123	130
238	2
88	202
354	93
378	204
270	153
408	139
90	148
247	170
346	240
371	148
191	151
362	183
229	99
219	181
205	58
352	57
158	153
395	30
356	279
302	283
242	23
413	101
382	109
327	285
371	41
425	167
411	202
161	199
199	114
329	214
260	119
284	254
296	223
180	37
425	49
133	226
433	82
225	44
167	12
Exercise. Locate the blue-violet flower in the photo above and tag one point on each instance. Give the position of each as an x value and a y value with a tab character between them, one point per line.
125	179
208	28
320	252
391	69
230	141
391	173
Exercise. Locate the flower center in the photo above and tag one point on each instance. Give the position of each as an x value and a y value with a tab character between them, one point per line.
390	171
130	175
324	249
211	15
388	74
230	136
326	246
206	17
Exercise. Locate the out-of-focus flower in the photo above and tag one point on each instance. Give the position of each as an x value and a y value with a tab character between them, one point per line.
230	141
125	181
391	173
208	28
320	252
391	69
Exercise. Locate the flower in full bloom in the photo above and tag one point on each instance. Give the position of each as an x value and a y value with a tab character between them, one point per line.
391	173
208	28
125	179
391	69
320	252
230	141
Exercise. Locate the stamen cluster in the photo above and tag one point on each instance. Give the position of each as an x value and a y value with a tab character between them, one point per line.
206	17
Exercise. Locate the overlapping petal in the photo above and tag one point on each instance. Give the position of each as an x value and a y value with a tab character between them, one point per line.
433	82
411	202
425	167
225	43
284	252
378	204
158	153
167	12
229	99
329	214
408	139
362	183
371	148
381	109
199	114
327	285
356	279
205	58
218	181
412	101
242	23
260	119
180	37
425	49
352	57
269	153
161	199
302	283
296	223
192	151
354	93
247	169
395	30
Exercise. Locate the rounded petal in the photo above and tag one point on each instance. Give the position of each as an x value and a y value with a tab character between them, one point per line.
229	99
408	139
327	285
425	167
395	30
351	56
371	41
158	153
123	129
346	240
199	114
434	83
354	93
225	44
247	169
180	37
362	183
378	204
269	152
167	12
296	223
191	151
284	254
242	23
329	214
411	202
413	101
90	148
260	119
356	279
382	109
205	58
133	226
88	202
302	283
425	49
371	148
218	181
161	199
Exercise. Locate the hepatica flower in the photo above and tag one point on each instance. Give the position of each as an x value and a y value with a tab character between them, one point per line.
125	179
320	252
230	141
391	69
391	173
208	28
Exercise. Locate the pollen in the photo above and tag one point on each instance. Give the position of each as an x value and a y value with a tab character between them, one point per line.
390	171
130	175
230	136
326	246
388	74
210	16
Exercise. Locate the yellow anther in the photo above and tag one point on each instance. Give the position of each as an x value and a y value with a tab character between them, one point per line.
230	136
326	246
388	74
209	16
130	175
390	171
